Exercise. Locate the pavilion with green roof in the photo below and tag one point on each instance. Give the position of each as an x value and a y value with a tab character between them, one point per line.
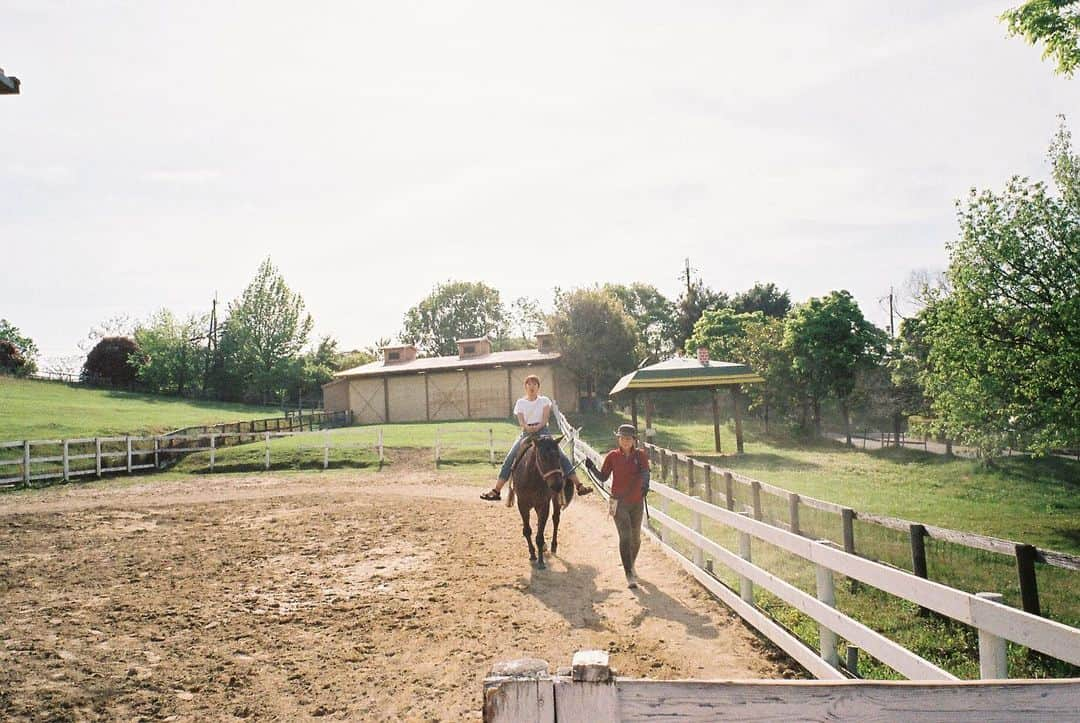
686	373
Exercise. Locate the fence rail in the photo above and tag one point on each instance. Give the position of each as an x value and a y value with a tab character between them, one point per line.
709	477
156	452
447	439
996	622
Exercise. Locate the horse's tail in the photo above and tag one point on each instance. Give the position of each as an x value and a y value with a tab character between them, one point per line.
510	493
568	491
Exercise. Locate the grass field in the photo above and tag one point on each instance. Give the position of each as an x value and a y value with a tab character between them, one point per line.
31	409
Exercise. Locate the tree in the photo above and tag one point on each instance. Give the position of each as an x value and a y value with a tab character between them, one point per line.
351	359
653	315
262	338
1054	22
1004	345
454	310
113	361
21	357
697	299
317	368
595	336
526	317
756	340
830	343
766	298
174	355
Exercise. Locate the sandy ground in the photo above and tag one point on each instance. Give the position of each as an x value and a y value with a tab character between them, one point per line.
306	596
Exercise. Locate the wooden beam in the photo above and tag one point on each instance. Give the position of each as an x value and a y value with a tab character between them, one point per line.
738	418
716	418
386	399
633	409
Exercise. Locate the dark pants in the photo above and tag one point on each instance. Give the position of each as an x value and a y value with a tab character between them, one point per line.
628	523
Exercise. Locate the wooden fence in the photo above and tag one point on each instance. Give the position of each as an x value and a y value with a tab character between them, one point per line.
449	438
39	460
996	622
718	483
589	690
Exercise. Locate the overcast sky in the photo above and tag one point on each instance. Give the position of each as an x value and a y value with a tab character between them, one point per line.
160	150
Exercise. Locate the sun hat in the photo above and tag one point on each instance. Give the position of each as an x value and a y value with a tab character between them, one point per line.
626	430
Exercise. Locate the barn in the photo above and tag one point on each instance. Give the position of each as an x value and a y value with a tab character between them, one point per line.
477	383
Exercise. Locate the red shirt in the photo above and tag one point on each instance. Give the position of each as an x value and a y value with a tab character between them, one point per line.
626	484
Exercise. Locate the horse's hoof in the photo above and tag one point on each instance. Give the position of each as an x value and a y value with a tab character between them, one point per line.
554	548
540	565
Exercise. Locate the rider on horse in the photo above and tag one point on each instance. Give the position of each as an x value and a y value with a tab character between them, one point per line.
532	412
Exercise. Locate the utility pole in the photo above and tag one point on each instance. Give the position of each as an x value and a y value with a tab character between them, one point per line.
892	327
211	344
688	277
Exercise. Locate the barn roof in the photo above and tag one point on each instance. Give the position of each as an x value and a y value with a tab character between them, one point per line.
521	357
685	373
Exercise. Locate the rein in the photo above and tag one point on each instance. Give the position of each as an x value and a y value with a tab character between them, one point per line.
545	475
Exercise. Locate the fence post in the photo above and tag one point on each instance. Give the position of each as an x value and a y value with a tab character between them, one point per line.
663	465
690	475
699	554
438	456
675	470
326	450
491	445
826	593
847	520
157	450
97	455
746	587
729	491
1029	586
213	450
708	484
267	450
993	651
793	512
853	659
755	488
67	463
380	445
127	440
918	555
26	462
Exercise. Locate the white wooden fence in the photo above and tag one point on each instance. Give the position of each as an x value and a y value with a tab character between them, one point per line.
68	459
996	623
453	438
525	690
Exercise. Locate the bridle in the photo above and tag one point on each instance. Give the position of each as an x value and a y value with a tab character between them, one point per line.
549	473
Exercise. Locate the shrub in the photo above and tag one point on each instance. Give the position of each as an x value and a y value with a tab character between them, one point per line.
110	362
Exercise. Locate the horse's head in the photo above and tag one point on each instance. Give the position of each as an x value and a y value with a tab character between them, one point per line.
550	462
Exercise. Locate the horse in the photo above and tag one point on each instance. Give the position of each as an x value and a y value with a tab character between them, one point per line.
540	485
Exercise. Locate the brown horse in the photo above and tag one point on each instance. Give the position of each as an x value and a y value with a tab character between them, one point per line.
537	481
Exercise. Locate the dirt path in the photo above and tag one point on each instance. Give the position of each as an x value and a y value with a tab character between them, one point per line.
299	597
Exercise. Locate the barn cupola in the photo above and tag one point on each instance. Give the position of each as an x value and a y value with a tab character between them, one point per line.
469	348
545	342
398	354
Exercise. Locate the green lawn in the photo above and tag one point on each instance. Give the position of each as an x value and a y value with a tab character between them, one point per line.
31	409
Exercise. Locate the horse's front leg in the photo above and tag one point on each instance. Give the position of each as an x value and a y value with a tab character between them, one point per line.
555	513
525	529
541	525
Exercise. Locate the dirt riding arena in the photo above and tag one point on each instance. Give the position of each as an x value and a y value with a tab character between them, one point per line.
345	596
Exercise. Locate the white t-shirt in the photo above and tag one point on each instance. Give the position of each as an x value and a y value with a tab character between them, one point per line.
534	410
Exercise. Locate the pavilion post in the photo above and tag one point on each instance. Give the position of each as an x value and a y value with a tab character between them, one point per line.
716	418
633	409
738	418
648	418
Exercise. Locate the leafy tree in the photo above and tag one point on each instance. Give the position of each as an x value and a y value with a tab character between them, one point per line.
697	299
756	340
526	318
454	310
1053	22
262	338
353	358
766	298
831	342
653	315
21	358
1004	345
596	337
113	361
174	355
317	368
906	365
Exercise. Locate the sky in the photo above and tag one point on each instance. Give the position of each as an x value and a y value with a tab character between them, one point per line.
159	151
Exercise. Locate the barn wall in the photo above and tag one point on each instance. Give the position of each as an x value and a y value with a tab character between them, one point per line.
366	398
408	399
488	392
566	390
335	395
446	396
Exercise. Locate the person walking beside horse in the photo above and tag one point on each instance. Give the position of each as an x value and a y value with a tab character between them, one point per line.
532	412
630	467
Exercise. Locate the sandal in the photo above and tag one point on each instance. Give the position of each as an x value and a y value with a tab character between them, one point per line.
491	495
582	491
